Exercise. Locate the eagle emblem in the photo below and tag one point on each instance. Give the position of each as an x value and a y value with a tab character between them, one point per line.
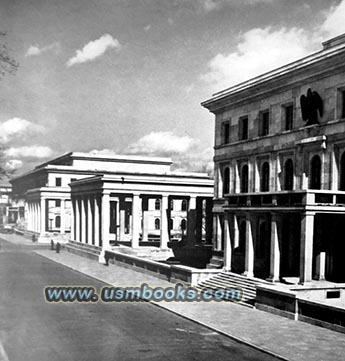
311	105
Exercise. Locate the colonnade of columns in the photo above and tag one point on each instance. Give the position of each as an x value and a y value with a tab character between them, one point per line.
91	218
37	216
228	232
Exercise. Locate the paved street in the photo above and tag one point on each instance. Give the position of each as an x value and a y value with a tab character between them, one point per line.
31	329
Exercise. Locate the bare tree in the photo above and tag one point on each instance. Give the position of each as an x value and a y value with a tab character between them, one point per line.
8	65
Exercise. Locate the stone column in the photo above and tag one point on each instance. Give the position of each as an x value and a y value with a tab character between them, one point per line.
135	221
77	220
164	223
275	251
227	245
249	255
306	253
96	221
29	217
83	221
42	215
219	234
144	219
236	232
105	217
89	222
72	238
320	266
62	217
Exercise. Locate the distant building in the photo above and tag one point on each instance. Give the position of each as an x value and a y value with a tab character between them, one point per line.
6	213
105	188
279	208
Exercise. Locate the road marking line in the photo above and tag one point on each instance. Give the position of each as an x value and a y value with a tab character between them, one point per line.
3	354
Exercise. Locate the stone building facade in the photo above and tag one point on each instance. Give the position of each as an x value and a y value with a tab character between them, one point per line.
279	208
50	214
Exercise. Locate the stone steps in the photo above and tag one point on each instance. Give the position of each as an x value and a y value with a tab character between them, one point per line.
228	280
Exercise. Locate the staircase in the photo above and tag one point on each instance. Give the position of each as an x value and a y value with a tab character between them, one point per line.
83	249
228	280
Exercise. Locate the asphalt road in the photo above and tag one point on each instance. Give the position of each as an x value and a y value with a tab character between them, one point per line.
33	330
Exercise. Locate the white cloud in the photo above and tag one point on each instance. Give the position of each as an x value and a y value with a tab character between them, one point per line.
34	151
262	49
36	50
209	5
18	127
94	49
187	153
161	144
13	164
335	21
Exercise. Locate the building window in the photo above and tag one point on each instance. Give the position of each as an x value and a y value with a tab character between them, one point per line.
315	173
264	126
243	128
157	223
343	104
225	133
244	179
265	177
58	182
171	224
288	110
171	204
157	204
57	203
342	173
184	205
288	175
57	222
226	181
183	224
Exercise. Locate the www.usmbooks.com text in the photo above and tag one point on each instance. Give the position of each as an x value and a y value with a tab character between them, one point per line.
177	293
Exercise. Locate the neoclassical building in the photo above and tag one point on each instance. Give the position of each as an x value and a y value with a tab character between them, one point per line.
279	208
143	201
128	197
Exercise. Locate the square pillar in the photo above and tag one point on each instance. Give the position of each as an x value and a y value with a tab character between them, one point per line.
218	233
42	219
164	223
249	255
320	266
105	220
306	254
89	221
145	226
72	238
83	221
136	222
96	222
77	220
227	245
274	251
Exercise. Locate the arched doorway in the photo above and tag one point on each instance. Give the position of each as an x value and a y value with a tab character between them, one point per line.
315	172
288	175
265	177
226	181
244	179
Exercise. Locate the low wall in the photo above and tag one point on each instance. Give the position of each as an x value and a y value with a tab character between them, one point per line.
172	273
292	305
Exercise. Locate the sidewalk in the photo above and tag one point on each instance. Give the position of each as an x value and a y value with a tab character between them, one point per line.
291	340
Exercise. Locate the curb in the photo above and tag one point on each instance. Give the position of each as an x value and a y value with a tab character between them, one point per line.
213	328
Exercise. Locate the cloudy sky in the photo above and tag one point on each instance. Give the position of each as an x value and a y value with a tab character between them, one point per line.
128	76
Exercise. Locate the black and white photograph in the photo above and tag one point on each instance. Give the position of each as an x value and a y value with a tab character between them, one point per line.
172	180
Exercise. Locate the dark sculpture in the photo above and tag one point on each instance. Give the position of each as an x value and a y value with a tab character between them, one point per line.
310	106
